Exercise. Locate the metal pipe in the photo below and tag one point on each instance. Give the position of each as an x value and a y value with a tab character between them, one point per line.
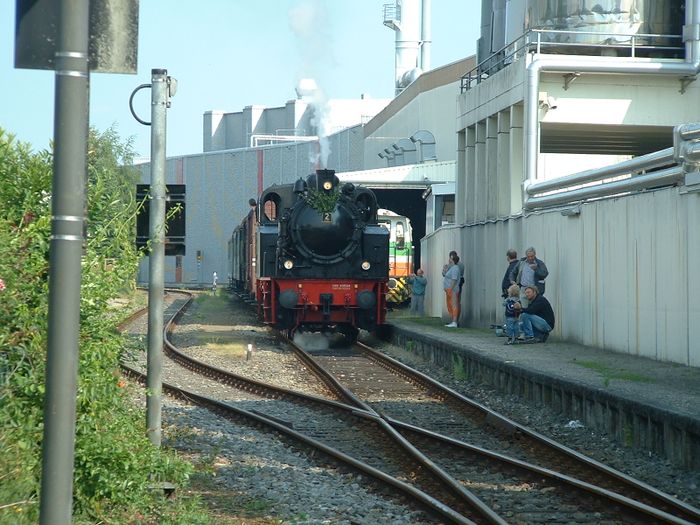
156	263
660	178
691	154
603	65
651	160
407	42
689	131
426	34
67	220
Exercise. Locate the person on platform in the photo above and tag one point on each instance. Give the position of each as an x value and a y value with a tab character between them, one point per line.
537	319
512	311
461	274
531	272
511	271
450	283
418	283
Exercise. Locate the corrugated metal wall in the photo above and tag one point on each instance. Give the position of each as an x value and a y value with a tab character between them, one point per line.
219	185
620	271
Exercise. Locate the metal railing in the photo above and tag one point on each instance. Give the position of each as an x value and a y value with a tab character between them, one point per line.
543	41
392	13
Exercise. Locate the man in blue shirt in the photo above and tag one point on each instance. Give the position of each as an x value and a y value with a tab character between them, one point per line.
418	283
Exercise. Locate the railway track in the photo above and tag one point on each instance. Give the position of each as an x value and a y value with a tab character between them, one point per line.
428	409
429	458
353	437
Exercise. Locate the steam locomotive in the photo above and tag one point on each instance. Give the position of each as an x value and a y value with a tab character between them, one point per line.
314	256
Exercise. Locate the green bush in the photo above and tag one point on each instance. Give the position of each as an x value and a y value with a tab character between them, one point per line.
114	461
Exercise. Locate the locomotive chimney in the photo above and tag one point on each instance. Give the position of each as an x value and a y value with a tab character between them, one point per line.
324	180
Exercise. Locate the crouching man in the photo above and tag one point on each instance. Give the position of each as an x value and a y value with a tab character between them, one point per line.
537	320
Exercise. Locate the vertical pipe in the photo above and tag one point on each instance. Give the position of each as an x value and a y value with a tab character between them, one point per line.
67	218
426	35
407	42
691	31
156	288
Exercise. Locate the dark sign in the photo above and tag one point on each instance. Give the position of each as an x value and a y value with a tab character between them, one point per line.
174	226
114	32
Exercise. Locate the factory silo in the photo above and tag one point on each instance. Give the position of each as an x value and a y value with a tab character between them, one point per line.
584	27
410	20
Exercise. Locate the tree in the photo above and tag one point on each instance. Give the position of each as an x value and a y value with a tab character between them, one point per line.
114	460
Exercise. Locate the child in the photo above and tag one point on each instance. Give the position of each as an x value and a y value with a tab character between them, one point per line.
418	284
512	305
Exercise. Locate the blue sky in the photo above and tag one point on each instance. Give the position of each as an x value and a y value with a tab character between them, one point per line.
228	54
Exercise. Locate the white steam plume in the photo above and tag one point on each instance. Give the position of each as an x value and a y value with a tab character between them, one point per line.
309	21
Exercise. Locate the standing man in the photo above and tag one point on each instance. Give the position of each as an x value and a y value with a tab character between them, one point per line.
418	283
509	276
459	263
450	283
537	320
531	272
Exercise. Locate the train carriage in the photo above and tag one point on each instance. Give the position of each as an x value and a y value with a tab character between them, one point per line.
242	255
400	255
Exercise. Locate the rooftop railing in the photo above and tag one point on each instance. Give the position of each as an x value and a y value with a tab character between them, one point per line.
550	41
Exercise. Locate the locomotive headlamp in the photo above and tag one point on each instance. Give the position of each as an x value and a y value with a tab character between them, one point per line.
327	185
365	265
288	264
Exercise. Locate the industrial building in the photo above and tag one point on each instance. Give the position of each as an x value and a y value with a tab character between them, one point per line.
564	133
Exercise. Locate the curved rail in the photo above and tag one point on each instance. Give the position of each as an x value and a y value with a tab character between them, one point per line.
452	515
653	496
394	428
229	411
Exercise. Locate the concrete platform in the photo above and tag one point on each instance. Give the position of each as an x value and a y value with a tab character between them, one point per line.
642	403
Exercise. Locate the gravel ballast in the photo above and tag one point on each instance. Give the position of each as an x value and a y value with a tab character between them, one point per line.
268	480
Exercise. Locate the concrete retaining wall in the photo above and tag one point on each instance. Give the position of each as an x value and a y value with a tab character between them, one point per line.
629	422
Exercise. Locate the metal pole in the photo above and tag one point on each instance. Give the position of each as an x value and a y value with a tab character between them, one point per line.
67	217
156	287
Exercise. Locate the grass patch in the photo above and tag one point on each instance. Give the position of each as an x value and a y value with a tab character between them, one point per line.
426	321
609	374
458	369
209	304
228	507
220	344
437	322
227	349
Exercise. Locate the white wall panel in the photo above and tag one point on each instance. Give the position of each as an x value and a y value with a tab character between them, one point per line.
612	276
620	271
671	276
692	221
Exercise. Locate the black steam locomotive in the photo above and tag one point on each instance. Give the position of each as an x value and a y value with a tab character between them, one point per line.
322	261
